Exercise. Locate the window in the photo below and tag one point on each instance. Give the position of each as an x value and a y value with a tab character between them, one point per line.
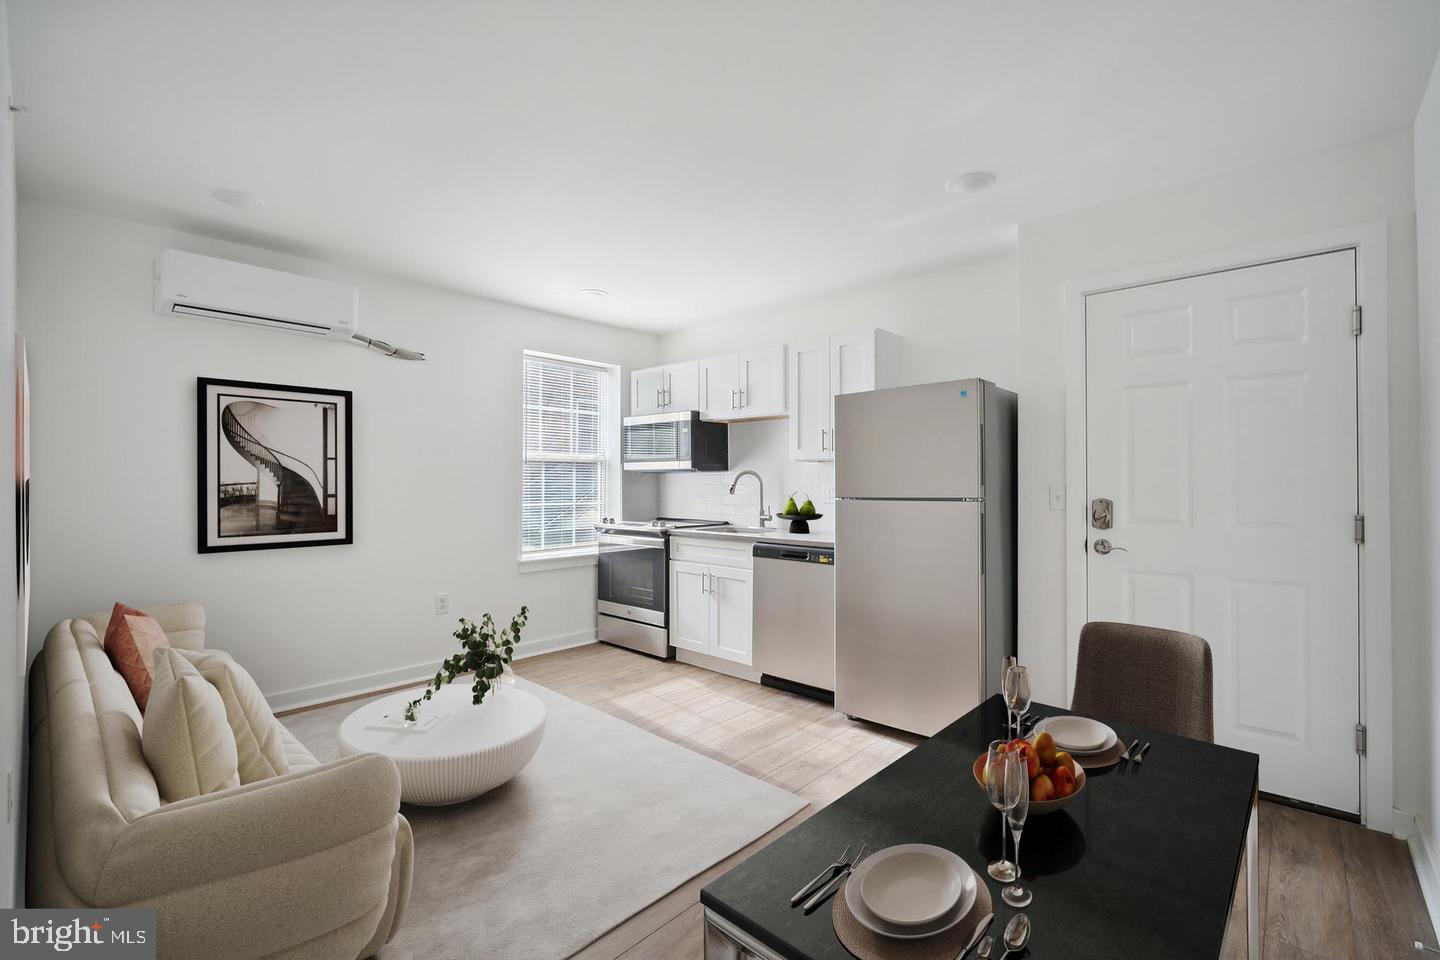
564	457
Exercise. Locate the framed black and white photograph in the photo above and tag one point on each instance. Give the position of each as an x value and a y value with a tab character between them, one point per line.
274	466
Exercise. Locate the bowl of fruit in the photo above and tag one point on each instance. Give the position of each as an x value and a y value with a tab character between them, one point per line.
1055	777
800	516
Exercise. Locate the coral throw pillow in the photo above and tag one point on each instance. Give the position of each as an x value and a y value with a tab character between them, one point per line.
131	639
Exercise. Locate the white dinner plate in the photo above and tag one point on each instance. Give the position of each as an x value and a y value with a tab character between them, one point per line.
912	885
945	921
1077	734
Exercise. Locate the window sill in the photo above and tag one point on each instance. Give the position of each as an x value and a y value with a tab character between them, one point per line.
557	560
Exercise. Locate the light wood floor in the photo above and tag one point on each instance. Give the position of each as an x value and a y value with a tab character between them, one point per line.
1329	890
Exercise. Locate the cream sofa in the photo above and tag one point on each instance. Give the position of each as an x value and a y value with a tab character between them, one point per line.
313	864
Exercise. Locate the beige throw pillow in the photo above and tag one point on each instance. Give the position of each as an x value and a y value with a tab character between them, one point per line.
259	747
185	737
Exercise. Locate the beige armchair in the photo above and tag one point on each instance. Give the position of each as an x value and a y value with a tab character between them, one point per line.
315	863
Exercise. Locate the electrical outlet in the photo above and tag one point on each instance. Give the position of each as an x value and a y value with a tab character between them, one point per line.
442	604
827	493
1057	496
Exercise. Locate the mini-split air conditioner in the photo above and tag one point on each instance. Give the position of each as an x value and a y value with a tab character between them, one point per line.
187	284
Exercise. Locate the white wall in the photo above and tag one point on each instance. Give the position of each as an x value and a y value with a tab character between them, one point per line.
436	459
1427	235
954	321
12	686
1353	185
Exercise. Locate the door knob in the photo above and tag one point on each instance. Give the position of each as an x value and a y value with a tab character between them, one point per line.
1103	547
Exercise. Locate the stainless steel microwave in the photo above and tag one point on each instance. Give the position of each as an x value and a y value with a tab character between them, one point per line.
674	443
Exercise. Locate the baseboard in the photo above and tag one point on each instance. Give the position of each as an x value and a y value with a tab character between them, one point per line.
563	642
319	693
1425	870
718	665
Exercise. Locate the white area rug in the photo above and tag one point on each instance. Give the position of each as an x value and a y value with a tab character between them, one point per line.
604	821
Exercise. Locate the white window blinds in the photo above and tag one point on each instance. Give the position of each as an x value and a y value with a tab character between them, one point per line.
564	455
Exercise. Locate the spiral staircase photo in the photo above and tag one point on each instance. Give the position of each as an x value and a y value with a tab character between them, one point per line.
297	491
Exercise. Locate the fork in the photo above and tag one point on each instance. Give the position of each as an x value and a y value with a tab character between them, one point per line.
835	881
828	873
1125	754
1140	757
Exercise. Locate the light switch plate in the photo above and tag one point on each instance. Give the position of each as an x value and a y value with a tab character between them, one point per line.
1057	496
442	604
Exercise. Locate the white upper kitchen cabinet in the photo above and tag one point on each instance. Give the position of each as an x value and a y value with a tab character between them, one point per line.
720	387
762	383
807	381
647	387
675	386
682	386
821	369
743	386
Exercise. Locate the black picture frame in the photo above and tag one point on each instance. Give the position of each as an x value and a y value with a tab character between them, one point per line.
221	526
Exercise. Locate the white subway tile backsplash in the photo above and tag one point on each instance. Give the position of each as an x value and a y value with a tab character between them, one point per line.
762	447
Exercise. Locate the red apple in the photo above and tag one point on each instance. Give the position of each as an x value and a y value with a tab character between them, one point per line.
1041	789
1064	781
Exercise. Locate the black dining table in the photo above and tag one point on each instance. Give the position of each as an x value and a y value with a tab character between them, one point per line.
1142	863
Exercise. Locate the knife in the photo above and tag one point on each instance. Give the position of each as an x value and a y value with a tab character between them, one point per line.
975	937
829	888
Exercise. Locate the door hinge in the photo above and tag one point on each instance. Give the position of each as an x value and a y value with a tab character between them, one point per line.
1355	320
1360	738
1359	528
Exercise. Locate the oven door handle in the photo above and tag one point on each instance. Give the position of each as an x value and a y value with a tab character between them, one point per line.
610	539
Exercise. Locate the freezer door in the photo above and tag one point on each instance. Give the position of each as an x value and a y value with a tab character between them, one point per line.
908	612
909	442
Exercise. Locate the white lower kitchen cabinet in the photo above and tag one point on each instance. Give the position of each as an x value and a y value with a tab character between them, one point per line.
710	610
730	614
689	606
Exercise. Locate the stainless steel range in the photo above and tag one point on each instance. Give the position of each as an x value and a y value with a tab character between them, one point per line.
634	581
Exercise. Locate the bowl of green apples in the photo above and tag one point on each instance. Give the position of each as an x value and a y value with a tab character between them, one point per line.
799	516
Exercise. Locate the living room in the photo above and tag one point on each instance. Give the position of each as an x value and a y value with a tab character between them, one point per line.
772	377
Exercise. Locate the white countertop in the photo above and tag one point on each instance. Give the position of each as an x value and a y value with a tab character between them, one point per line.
781	534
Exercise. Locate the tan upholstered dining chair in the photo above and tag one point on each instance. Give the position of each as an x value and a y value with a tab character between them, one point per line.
1148	676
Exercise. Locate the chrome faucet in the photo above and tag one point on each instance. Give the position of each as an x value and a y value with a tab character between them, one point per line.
765	517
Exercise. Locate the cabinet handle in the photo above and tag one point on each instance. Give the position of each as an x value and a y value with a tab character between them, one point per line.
747	383
823	432
704	581
657	397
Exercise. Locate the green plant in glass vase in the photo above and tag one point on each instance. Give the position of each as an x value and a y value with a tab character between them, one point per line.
484	653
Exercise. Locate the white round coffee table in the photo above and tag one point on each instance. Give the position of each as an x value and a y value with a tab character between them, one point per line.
468	751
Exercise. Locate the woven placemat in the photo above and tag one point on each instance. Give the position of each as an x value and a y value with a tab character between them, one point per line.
869	945
1106	758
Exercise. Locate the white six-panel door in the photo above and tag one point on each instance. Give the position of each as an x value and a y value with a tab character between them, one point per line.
1221	421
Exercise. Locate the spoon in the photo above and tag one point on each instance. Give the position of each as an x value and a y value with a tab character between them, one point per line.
1017	934
984	952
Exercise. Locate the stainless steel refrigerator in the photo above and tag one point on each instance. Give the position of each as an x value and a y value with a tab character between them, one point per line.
925	535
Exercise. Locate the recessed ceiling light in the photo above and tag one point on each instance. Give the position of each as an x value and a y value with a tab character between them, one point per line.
238	198
594	292
972	182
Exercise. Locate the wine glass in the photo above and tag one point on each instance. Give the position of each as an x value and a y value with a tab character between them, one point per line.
995	766
1017	694
1017	806
1005	690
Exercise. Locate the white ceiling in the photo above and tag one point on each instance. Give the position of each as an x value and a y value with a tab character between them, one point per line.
692	158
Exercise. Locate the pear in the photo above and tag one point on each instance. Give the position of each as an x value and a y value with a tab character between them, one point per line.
807	509
790	508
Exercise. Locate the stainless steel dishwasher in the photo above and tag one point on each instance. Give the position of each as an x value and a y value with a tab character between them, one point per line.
794	632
